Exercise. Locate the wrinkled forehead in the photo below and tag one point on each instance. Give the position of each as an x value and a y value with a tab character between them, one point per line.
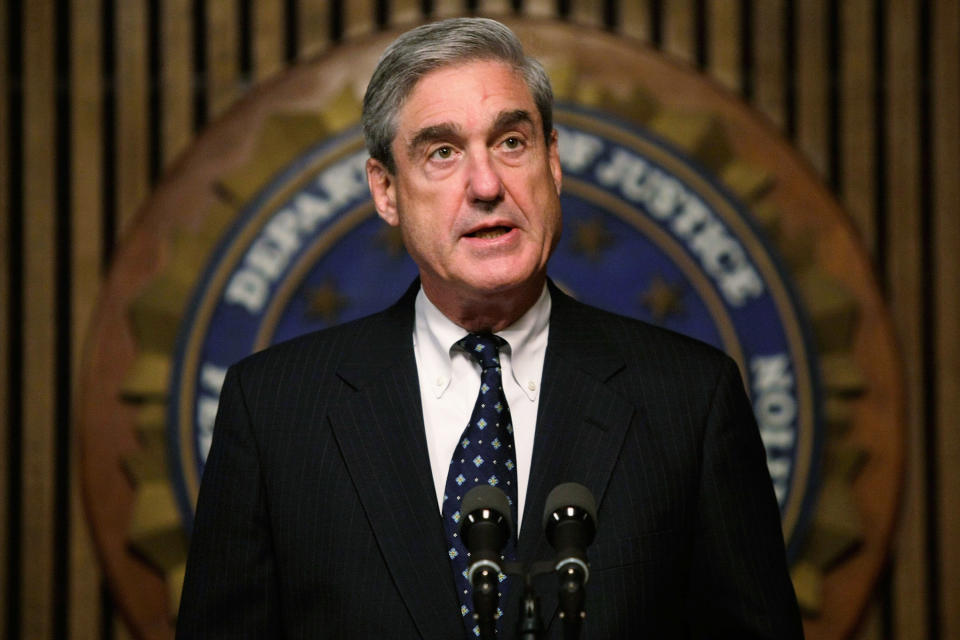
465	65
468	80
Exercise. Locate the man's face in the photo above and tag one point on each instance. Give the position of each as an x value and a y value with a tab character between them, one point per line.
476	188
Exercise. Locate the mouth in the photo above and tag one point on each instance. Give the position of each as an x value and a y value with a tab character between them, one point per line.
488	233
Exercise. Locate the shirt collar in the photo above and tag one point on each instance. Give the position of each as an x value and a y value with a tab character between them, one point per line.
527	338
435	336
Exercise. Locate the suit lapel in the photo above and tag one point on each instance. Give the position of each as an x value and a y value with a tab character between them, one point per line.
581	425
379	428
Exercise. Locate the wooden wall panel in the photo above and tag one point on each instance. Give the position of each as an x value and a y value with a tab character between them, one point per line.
769	83
903	273
857	180
6	275
404	11
587	12
39	222
86	190
724	42
813	77
680	29
945	50
313	27
223	56
176	77
493	7
635	20
85	578
132	111
267	32
447	8
540	8
359	18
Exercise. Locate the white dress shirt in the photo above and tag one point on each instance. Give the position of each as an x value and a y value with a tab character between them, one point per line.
450	382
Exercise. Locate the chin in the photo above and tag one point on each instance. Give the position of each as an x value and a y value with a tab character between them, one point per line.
505	283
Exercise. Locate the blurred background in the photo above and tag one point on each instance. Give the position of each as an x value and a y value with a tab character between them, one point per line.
99	97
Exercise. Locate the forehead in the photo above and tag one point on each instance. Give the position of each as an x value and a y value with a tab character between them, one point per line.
468	93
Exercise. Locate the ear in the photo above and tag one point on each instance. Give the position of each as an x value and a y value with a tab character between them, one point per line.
553	151
384	191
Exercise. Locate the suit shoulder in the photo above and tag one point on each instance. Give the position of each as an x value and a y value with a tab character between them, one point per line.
657	339
641	340
655	368
324	348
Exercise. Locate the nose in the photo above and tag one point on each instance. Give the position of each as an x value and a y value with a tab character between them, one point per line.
484	184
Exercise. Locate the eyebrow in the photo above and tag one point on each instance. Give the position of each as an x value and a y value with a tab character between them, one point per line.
423	137
510	119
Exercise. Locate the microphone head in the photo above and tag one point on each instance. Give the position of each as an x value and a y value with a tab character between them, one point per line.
485	504
569	502
569	494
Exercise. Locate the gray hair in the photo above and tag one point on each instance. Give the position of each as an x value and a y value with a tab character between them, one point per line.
432	46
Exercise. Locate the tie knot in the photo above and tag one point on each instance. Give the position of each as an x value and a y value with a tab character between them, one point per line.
484	348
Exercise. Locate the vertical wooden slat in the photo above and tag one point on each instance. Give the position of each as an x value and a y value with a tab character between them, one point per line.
86	206
635	19
39	187
223	67
768	60
945	50
724	38
857	122
313	27
812	82
268	38
358	17
5	275
493	7
132	128
679	29
911	594
404	12
546	8
85	606
447	8
587	12
132	119
176	71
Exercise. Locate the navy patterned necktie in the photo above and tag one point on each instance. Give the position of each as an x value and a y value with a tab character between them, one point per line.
485	454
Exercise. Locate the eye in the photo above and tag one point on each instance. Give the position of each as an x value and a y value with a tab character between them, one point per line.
512	143
442	153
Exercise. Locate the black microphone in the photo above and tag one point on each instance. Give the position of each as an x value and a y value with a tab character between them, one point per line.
485	528
569	519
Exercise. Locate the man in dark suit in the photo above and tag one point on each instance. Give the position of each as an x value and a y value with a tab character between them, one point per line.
319	513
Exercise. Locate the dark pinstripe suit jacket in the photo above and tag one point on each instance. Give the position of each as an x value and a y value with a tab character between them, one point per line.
317	514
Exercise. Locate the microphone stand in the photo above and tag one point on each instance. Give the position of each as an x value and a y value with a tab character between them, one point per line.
485	603
529	622
571	598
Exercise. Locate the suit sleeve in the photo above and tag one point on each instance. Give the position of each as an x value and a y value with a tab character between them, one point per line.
740	586
230	588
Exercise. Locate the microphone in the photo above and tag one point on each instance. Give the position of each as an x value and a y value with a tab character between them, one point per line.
569	519
485	529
